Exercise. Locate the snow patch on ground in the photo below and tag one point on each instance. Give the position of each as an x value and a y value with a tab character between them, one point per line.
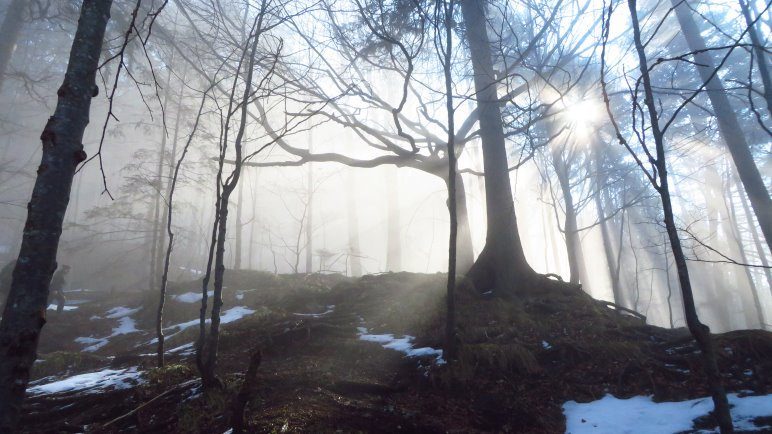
330	309
403	345
120	312
191	297
126	325
231	315
66	308
92	382
641	415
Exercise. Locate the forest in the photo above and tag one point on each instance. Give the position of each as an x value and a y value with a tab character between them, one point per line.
430	216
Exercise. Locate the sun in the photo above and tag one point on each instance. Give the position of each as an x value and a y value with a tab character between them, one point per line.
581	116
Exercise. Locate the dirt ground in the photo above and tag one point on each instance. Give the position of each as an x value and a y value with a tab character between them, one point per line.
519	360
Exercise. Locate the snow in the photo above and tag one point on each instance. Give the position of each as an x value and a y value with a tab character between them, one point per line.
120	312
641	415
230	315
183	350
330	309
66	308
191	297
126	325
403	345
92	382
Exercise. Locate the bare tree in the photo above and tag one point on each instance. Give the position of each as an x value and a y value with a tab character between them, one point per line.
658	177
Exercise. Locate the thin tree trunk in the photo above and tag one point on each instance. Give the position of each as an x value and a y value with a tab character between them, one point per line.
167	191
502	264
154	248
447	55
728	125
213	340
700	331
9	34
170	233
608	250
352	214
239	228
761	58
394	241
464	246
62	139
310	211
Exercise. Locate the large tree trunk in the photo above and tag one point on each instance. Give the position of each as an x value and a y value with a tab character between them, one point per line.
9	34
502	264
62	139
728	125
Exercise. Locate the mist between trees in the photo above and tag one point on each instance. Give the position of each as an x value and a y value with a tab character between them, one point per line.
312	137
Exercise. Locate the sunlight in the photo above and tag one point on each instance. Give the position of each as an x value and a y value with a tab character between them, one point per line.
582	115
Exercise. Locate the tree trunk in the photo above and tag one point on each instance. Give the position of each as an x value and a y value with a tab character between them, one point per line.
62	139
761	58
154	247
608	249
352	215
570	225
464	246
756	239
394	241
502	264
699	331
9	34
450	297
310	211
731	227
239	229
728	126
162	241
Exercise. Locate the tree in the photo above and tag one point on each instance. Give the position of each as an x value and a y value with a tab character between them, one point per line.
502	264
62	138
658	177
729	127
9	34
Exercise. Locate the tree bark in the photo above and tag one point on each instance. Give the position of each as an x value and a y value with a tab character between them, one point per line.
502	264
62	139
728	125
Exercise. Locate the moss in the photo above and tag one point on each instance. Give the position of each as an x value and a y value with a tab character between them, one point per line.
169	375
63	362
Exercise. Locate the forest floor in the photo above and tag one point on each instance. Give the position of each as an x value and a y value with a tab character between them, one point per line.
361	355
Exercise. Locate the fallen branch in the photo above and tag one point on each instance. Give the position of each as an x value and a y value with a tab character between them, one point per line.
623	309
